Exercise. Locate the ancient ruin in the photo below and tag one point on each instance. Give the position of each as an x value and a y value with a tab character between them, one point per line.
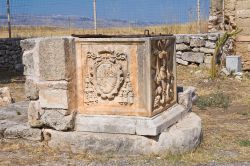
114	90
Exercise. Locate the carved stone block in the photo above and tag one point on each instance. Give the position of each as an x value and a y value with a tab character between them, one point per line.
125	76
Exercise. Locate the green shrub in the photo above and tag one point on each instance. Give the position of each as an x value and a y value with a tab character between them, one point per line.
245	143
213	100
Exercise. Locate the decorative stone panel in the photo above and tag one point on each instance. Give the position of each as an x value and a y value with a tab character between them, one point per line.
125	76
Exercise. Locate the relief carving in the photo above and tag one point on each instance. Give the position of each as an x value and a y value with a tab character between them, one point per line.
106	78
164	77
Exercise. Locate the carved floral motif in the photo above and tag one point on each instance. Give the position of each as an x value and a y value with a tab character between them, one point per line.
164	77
106	78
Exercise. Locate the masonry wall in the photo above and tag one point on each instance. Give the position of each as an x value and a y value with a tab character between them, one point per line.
236	15
196	48
11	55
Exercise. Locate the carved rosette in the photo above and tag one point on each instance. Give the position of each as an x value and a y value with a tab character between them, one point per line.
106	78
163	91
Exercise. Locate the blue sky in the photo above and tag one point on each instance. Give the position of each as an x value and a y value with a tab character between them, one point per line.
133	10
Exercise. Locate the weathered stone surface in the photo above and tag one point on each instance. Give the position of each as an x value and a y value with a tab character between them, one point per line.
182	47
53	118
187	97
63	85
193	57
213	37
130	125
225	71
53	98
210	44
53	51
182	62
34	114
4	124
27	44
207	50
23	131
57	120
178	54
197	42
28	62
5	97
181	137
15	112
182	39
31	89
195	49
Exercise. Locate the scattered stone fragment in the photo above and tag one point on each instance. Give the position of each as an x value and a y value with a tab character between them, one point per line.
225	71
238	78
5	97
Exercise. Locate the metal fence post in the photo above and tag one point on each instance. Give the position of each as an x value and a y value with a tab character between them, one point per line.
8	15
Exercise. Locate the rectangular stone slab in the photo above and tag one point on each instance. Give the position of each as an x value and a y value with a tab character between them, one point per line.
130	125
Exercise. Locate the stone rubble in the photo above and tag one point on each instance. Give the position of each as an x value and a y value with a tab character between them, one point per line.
5	97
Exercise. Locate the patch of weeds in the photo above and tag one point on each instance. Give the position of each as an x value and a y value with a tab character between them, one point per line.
244	143
219	100
245	113
18	113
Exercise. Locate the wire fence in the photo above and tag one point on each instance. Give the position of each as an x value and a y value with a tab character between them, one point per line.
29	18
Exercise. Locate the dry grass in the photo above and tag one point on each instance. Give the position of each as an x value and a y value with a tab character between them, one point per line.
226	133
55	31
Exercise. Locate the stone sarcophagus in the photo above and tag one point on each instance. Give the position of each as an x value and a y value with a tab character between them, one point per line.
125	76
103	84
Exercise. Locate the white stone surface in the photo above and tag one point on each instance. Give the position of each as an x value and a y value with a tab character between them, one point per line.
207	50
196	57
5	97
130	125
233	63
23	131
182	62
181	137
53	98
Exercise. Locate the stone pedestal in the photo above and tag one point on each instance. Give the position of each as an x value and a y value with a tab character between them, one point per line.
122	86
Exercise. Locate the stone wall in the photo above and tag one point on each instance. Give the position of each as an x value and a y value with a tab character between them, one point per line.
236	15
11	55
47	63
195	48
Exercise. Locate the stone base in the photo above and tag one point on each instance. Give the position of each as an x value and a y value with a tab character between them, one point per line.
130	124
181	137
